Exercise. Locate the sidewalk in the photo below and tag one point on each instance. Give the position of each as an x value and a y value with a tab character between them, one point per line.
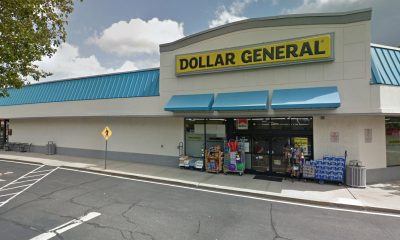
383	197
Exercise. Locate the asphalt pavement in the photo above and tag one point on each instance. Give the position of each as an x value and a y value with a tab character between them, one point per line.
107	207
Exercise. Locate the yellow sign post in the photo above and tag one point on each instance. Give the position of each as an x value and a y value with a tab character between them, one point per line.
292	51
106	134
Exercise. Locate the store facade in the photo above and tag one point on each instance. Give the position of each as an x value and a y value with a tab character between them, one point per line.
265	139
313	81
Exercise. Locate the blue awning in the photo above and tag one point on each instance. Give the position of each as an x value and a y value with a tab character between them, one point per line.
320	97
195	102
385	65
256	100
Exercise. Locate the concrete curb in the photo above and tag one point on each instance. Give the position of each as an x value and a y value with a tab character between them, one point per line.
229	190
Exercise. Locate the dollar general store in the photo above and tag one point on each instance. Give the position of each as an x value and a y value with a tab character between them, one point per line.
314	77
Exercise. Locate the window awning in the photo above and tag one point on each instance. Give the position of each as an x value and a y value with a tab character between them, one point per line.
194	102
255	100
320	97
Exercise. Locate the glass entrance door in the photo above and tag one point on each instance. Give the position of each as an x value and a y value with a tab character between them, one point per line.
270	154
280	147
260	158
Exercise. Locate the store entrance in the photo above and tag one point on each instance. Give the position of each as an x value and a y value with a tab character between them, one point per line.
260	159
269	144
269	154
271	141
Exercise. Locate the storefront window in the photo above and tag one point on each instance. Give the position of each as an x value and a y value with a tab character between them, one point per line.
393	141
194	137
265	138
200	131
215	132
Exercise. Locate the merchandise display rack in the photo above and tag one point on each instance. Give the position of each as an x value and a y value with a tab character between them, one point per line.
213	159
234	158
296	162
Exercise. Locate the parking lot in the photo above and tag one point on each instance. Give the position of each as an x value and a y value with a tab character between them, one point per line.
66	204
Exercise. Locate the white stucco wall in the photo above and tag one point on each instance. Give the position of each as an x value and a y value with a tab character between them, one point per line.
136	135
390	99
350	70
351	138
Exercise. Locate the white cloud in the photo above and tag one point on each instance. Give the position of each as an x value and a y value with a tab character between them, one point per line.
67	63
309	6
137	36
233	13
130	66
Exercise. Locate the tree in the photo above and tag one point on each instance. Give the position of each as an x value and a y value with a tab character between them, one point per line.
29	30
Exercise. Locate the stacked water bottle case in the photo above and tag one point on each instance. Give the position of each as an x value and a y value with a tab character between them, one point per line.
330	168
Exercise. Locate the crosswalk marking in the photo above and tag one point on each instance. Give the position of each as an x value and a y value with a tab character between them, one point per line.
22	188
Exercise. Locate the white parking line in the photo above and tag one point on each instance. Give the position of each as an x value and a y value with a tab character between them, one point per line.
37	175
24	181
42	171
8	194
5	189
26	186
66	226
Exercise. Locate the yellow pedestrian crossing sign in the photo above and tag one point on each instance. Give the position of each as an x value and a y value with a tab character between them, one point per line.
106	133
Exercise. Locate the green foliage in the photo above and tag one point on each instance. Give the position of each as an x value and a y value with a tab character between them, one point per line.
29	30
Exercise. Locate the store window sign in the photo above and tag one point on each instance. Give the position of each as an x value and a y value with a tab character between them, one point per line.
242	124
307	49
301	142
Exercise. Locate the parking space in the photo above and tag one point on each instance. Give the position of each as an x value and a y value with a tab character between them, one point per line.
70	204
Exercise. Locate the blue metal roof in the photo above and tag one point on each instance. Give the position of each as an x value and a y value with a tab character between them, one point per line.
194	102
385	65
320	97
255	100
142	83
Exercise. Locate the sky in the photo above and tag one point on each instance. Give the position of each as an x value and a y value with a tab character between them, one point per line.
106	36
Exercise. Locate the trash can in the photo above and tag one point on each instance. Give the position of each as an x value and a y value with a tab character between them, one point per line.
356	174
51	148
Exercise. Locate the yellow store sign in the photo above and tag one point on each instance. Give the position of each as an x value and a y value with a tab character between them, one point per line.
302	50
